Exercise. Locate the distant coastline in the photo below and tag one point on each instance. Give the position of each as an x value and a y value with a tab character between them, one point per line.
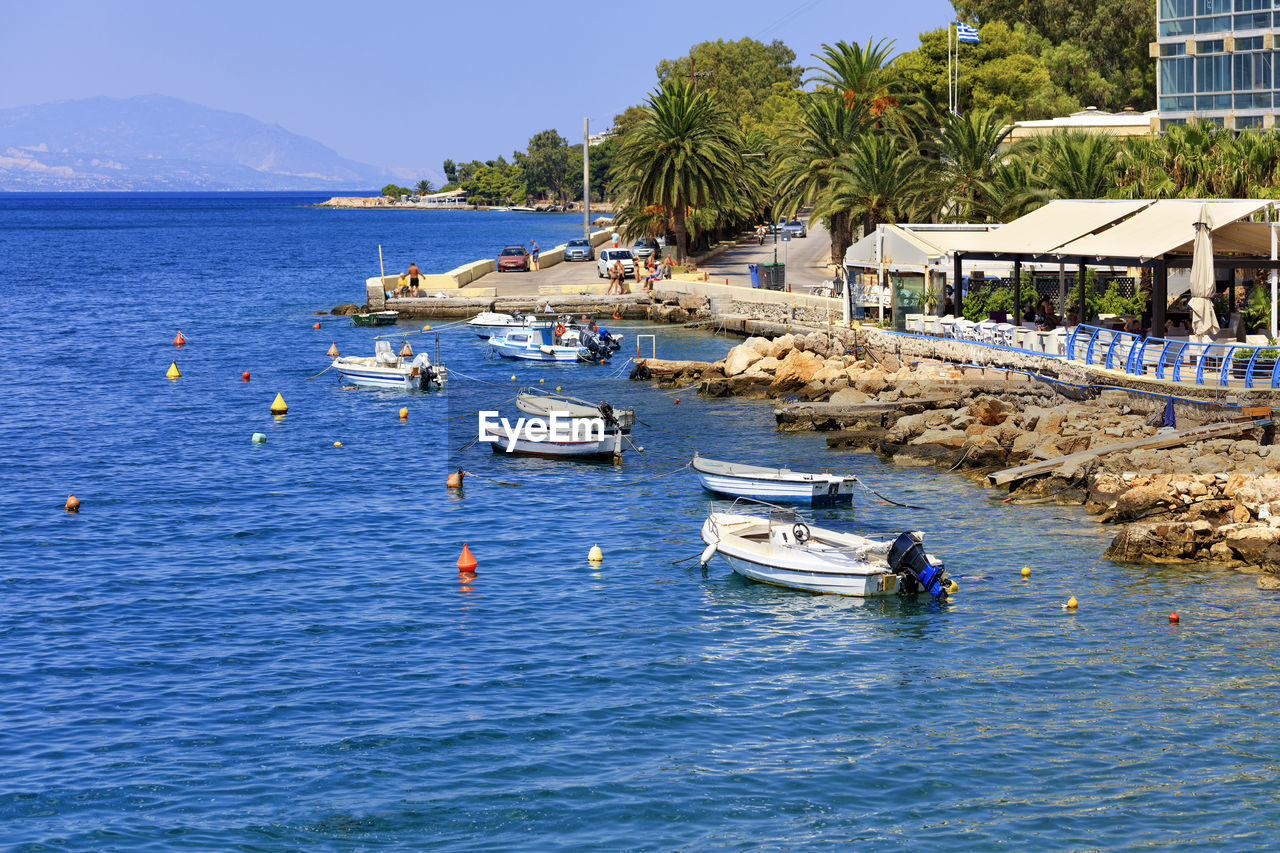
384	203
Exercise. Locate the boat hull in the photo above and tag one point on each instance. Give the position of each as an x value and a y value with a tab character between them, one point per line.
401	379
378	318
858	586
609	447
774	485
545	352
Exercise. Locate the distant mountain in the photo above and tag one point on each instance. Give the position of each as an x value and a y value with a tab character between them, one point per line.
154	142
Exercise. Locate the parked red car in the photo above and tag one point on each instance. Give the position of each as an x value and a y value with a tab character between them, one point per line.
513	258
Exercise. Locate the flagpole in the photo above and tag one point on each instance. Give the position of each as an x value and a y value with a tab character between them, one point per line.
948	66
957	107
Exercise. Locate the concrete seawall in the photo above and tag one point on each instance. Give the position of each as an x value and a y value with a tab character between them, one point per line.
377	287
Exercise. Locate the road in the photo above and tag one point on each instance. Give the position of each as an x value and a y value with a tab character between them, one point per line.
805	259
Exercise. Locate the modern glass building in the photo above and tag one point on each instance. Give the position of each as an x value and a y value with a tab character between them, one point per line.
1216	61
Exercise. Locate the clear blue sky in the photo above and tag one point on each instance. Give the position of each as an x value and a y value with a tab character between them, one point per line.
407	84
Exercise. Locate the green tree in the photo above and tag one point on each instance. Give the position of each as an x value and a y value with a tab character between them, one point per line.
450	171
1001	73
742	73
424	187
805	160
1106	65
394	191
881	179
968	150
1076	164
684	153
545	164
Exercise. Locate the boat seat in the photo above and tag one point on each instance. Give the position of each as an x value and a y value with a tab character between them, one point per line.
383	354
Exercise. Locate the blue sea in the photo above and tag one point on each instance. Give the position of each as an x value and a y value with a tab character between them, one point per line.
259	647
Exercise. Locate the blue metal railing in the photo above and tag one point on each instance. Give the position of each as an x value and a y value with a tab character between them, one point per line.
1220	363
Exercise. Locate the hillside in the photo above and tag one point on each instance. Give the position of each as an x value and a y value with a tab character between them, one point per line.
154	142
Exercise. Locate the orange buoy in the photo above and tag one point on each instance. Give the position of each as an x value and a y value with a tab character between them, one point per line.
333	350
245	376
466	562
406	351
73	504
315	325
454	480
676	401
179	340
1173	618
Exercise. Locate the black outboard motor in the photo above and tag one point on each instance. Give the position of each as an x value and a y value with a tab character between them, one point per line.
609	341
606	412
598	350
908	560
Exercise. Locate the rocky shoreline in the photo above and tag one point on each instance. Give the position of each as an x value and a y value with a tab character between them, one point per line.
1215	500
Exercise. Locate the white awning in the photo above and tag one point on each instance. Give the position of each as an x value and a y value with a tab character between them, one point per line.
1043	230
1169	226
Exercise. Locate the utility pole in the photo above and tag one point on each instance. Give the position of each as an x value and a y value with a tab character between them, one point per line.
586	178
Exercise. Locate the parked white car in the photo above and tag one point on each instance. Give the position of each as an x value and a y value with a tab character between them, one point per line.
608	256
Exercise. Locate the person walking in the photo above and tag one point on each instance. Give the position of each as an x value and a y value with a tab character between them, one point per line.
413	272
533	254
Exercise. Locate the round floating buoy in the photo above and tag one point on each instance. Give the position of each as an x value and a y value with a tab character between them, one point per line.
454	480
179	340
259	438
676	401
404	413
315	325
542	381
952	587
333	350
279	406
466	562
406	351
173	372
557	387
72	504
513	377
1071	603
1173	618
1026	571
595	555
337	444
245	376
426	328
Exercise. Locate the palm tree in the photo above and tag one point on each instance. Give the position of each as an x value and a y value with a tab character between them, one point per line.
968	152
881	179
1076	164
684	152
806	157
1010	192
860	75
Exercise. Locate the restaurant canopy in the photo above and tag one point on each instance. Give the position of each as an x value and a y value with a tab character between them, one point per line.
1043	230
1168	227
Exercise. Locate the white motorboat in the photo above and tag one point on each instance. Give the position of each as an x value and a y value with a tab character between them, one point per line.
779	485
563	428
785	551
388	370
543	340
486	323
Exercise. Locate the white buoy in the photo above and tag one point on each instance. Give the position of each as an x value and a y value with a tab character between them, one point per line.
709	552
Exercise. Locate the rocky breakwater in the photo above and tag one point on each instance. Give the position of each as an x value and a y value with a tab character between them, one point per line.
1179	498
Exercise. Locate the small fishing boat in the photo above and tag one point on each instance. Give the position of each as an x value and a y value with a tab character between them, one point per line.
783	550
566	428
375	318
486	323
780	485
388	370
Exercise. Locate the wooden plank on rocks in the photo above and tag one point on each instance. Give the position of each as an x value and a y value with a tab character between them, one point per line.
1151	442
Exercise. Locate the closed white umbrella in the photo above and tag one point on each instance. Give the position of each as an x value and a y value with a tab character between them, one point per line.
1203	319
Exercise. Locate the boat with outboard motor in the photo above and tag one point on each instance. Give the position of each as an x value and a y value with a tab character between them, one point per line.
784	550
569	428
388	370
772	484
375	318
561	340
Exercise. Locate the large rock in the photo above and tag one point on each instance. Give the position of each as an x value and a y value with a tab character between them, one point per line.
764	346
819	344
739	359
795	372
943	436
989	411
768	364
783	345
871	382
749	384
1142	501
1255	543
1158	541
848	397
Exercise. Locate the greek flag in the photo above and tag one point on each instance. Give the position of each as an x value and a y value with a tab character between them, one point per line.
964	32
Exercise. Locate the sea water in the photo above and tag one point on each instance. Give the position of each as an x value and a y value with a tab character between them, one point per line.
239	646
